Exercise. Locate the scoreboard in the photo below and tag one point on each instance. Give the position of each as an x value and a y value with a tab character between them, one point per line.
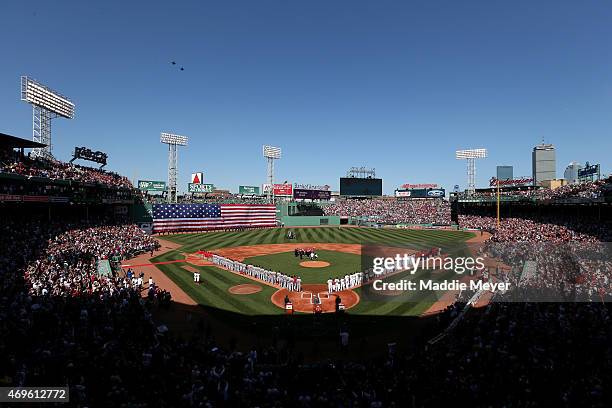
353	186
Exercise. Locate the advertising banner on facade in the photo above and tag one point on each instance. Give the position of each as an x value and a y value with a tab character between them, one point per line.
151	185
300	193
252	190
522	181
197	178
279	189
421	193
200	188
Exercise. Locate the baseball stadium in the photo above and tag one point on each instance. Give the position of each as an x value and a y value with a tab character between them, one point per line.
338	250
218	241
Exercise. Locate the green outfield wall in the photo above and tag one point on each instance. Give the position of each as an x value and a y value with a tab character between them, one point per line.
309	221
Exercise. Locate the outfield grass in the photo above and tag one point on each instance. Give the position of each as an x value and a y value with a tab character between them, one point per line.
341	263
213	291
415	238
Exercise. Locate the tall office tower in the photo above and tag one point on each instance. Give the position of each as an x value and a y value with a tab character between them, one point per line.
543	163
505	173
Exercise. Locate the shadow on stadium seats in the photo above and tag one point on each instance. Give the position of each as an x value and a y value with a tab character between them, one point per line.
313	336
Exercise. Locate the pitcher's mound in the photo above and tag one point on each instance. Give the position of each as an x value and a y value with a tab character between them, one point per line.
314	264
246	289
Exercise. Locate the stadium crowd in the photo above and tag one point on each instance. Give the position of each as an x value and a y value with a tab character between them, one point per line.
391	211
70	264
63	323
57	170
551	258
589	189
540	229
106	346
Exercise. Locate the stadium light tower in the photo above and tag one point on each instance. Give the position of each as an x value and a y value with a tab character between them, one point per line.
471	155
46	104
271	153
172	141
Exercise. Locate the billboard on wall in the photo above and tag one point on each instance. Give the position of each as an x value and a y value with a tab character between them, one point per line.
353	186
311	186
200	188
521	181
302	193
197	178
151	185
421	193
588	170
254	190
421	185
279	189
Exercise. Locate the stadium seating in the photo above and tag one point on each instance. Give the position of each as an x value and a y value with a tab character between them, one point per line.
56	170
392	211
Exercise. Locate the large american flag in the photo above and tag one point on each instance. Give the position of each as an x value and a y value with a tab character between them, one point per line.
177	217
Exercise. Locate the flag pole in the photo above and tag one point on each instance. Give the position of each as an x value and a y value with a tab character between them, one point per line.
498	203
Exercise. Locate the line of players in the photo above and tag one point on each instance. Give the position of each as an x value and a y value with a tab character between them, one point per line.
356	279
291	283
294	283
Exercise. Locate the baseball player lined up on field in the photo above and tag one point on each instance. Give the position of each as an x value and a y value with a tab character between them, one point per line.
196	277
350	281
291	283
357	279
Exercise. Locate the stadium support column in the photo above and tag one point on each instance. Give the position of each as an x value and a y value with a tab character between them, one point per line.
470	155
271	179
172	165
41	131
271	153
172	140
471	173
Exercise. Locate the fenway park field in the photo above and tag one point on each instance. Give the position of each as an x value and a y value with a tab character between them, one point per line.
339	253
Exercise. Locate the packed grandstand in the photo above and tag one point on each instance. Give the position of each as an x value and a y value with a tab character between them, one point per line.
62	320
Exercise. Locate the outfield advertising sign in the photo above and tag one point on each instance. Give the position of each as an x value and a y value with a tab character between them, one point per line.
421	193
303	193
250	190
522	181
279	189
200	188
151	185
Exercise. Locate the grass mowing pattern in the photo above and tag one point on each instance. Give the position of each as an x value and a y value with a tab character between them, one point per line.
213	290
212	240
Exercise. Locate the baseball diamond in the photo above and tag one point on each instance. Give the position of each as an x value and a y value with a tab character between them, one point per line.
315	204
270	249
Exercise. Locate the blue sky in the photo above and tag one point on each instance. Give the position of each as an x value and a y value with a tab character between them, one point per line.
395	85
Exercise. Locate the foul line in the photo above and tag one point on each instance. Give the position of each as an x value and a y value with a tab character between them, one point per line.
154	263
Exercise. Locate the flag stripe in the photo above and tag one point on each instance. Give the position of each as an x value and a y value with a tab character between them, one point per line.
176	217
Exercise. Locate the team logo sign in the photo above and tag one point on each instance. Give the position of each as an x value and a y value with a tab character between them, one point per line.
197	178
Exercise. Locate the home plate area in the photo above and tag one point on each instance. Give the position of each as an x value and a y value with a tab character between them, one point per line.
304	301
309	296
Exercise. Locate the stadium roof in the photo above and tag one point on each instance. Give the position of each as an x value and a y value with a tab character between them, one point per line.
17	142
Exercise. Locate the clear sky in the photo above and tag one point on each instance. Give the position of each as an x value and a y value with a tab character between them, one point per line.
395	85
